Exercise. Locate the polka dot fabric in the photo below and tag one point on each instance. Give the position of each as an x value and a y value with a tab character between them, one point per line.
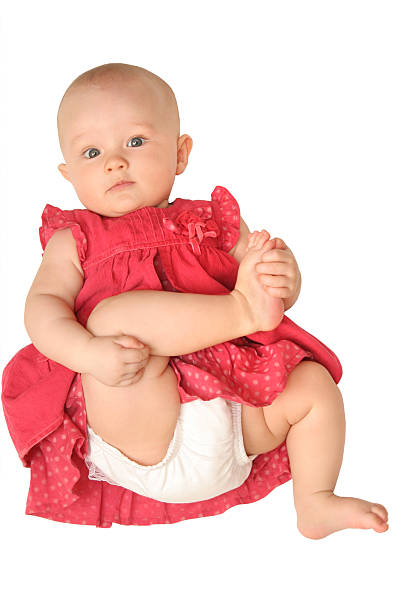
248	373
181	248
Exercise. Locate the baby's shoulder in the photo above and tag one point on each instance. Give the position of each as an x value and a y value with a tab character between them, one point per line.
69	229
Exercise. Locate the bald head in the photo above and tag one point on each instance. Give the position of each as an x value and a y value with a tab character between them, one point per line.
114	76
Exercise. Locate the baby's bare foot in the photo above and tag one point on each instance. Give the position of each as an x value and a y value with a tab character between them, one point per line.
266	311
323	512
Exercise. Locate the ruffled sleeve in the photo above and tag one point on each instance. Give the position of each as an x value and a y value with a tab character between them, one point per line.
54	219
229	217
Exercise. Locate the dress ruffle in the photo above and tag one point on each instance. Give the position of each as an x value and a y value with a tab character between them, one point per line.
245	372
54	219
230	217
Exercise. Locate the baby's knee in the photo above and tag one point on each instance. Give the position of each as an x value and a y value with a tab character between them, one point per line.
319	384
103	320
308	383
314	374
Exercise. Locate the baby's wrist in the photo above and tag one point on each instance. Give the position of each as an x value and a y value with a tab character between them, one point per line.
86	358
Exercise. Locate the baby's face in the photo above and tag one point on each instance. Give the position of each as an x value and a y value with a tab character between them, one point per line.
121	133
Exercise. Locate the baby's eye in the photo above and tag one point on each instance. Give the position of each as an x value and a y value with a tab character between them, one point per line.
135	140
91	156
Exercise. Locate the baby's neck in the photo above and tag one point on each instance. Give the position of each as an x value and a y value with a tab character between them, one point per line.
163	204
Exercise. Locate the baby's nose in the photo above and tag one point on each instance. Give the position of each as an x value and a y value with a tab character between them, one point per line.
115	164
111	167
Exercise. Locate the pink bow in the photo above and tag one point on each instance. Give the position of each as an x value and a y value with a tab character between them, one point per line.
194	226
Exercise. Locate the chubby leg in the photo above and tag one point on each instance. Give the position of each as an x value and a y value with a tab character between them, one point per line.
309	414
138	419
173	323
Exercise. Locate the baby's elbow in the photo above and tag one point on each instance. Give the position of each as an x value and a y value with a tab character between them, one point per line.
28	315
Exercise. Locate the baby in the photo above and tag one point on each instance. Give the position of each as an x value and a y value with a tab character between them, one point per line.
119	134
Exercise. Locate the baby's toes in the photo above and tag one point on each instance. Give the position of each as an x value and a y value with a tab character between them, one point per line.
380	525
252	237
373	521
380	510
256	240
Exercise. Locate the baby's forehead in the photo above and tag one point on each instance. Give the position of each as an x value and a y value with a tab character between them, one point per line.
132	99
150	98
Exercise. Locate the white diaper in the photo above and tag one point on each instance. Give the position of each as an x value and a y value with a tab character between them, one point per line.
206	457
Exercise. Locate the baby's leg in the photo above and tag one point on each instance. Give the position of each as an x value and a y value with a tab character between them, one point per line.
139	419
309	414
173	323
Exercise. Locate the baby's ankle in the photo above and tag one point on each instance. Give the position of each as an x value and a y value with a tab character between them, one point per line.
305	500
244	314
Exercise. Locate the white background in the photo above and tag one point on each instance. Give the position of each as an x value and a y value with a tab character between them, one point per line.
300	110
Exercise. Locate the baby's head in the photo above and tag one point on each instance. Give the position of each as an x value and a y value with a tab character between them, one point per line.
119	122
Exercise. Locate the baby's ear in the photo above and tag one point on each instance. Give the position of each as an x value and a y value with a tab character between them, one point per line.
63	169
184	146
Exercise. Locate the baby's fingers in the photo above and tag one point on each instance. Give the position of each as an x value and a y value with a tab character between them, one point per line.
128	342
132	368
136	355
274	268
131	379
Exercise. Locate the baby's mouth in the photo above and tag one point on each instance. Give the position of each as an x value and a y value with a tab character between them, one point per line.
121	185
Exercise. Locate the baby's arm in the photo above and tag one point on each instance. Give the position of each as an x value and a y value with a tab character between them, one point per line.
51	323
212	319
49	310
54	330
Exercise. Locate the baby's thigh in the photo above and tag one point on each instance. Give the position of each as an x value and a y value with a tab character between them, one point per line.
134	419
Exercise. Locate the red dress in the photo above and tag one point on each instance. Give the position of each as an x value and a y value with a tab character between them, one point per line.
181	248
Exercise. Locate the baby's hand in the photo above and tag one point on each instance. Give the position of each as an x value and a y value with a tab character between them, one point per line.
116	361
279	271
